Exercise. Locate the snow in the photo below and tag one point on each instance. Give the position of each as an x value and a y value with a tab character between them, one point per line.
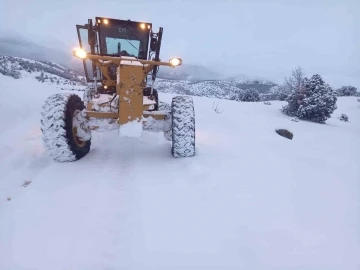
133	128
249	199
102	101
131	61
148	101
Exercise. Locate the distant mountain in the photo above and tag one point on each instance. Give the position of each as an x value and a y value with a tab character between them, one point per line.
13	44
21	47
189	72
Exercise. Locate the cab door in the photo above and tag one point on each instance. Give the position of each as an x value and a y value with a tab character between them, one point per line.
90	70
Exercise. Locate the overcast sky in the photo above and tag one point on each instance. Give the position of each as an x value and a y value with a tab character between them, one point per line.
255	37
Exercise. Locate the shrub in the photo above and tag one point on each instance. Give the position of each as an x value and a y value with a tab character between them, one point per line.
279	92
249	95
343	117
346	91
315	101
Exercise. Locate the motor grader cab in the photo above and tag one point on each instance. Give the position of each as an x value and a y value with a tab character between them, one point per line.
111	37
118	57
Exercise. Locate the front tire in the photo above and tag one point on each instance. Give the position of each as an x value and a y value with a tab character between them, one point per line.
59	134
183	126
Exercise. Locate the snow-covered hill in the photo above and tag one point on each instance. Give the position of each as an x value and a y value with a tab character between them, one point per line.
65	78
249	199
43	71
224	89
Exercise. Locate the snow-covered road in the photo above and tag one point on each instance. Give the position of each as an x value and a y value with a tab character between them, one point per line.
249	199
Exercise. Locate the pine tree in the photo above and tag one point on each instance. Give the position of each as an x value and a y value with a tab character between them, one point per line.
315	101
293	100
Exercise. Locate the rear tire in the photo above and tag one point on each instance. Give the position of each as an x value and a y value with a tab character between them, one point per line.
59	137
183	126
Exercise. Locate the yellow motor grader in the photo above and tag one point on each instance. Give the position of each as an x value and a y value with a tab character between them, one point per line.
118	58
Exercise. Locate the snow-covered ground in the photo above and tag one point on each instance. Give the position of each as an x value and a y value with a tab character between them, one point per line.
249	199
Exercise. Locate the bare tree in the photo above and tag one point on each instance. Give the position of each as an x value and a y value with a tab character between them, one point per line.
296	80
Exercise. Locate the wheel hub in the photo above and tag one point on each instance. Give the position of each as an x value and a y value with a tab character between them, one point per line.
76	129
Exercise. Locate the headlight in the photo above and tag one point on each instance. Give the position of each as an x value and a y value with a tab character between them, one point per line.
175	62
79	53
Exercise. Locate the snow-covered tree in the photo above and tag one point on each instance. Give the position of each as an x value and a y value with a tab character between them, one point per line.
314	101
295	80
14	72
279	92
293	100
346	91
41	77
249	95
9	68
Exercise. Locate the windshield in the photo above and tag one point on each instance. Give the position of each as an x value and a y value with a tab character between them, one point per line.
125	40
124	46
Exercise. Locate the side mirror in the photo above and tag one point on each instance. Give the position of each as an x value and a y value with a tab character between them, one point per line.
153	44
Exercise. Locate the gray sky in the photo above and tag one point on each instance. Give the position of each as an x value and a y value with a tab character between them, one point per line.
258	37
